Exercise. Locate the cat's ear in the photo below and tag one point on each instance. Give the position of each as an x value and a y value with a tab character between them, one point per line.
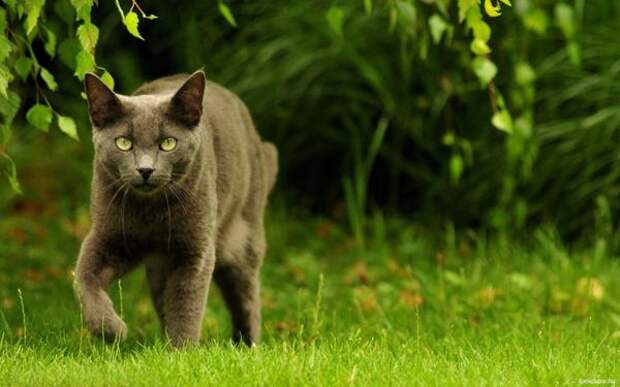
186	104
104	107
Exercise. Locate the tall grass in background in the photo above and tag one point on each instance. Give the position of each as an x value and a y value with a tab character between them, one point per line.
322	97
319	96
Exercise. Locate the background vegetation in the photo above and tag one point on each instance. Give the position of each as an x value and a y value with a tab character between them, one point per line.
322	78
446	210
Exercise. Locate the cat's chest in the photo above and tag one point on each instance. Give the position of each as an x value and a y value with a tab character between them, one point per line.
151	224
156	229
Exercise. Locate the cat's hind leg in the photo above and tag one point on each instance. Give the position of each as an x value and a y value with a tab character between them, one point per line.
237	274
240	289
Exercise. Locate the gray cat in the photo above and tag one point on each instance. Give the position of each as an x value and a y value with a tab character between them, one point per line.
180	183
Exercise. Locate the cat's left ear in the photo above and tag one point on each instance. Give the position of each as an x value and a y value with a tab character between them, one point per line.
104	107
186	104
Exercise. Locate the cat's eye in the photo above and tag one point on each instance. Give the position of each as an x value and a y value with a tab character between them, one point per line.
168	144
123	143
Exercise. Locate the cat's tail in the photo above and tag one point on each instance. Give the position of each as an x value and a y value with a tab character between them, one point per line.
271	164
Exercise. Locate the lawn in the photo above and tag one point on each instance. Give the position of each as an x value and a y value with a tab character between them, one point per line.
418	307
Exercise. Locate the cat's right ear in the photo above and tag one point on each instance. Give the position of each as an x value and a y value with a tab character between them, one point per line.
104	107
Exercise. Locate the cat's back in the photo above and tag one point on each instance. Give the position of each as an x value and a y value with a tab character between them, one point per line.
222	106
164	85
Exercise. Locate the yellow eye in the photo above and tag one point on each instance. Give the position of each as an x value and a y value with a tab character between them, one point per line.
123	143
168	144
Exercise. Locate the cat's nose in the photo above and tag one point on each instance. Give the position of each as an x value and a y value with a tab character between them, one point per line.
145	172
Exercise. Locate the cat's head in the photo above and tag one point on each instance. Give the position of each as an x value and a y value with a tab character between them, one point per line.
146	142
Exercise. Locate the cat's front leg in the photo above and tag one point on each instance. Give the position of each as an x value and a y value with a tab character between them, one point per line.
185	297
96	268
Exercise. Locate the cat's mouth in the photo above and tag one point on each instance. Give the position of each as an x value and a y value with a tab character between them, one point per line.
146	188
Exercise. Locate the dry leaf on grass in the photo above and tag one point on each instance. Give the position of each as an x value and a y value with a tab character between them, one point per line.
34	275
411	299
487	296
324	229
558	300
396	268
365	298
591	288
7	303
357	274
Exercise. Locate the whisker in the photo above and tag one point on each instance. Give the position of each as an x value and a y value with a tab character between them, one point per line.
169	219
173	190
114	182
189	194
113	197
123	219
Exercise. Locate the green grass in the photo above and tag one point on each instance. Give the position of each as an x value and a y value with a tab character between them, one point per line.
418	308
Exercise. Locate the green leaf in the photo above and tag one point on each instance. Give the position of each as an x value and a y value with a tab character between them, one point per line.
83	13
456	168
106	78
65	11
23	66
49	79
227	14
484	69
5	78
68	50
335	17
9	169
83	8
536	20
5	48
131	23
481	30
368	6
34	8
40	116
50	44
565	19
84	63
479	47
393	18
150	17
19	7
524	74
574	52
67	126
406	15
503	121
438	27
88	34
443	6
448	138
9	106
464	6
3	21
492	9
80	3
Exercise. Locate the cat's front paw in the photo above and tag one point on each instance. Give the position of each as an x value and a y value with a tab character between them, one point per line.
111	328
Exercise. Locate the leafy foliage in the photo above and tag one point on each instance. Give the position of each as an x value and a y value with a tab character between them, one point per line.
320	76
30	23
35	27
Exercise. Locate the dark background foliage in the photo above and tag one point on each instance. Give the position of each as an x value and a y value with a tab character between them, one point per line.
320	97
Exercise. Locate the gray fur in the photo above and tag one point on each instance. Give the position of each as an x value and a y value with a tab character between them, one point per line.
201	218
